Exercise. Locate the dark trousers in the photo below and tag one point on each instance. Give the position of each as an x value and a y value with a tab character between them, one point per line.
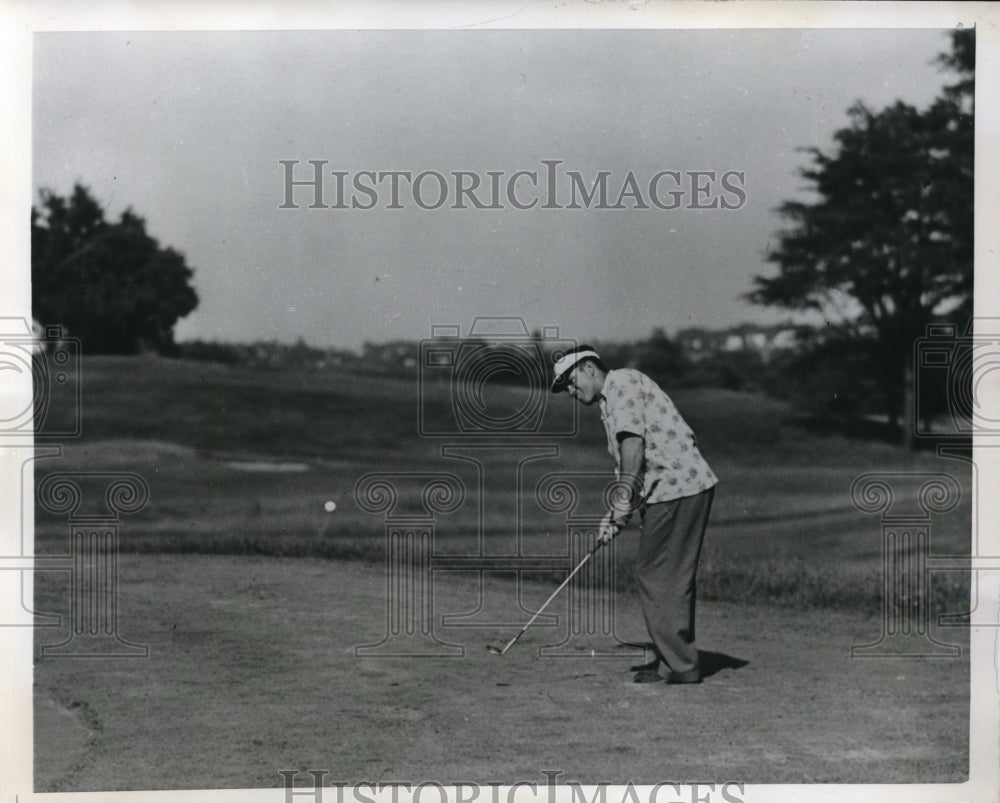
669	549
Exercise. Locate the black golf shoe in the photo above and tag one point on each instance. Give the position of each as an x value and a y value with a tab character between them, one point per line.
680	678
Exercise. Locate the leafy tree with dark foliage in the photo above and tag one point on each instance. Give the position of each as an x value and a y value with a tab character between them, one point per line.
886	247
110	284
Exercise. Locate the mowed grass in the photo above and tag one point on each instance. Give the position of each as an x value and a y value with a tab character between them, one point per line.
241	461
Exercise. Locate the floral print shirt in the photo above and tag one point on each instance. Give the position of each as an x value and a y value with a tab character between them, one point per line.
633	403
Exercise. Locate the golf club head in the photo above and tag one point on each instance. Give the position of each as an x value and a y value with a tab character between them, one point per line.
494	650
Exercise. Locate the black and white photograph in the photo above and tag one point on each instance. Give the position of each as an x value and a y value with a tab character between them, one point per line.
487	402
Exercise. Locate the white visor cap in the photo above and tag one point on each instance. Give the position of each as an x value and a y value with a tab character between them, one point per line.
565	364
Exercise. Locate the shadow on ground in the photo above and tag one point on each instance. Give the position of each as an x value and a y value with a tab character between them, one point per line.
709	661
712	662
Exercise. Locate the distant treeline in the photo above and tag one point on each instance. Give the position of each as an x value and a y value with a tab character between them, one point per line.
739	358
736	359
824	375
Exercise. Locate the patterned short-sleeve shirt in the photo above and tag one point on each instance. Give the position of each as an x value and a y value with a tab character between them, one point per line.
673	467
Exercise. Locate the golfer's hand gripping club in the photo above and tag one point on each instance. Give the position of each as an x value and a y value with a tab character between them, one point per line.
608	528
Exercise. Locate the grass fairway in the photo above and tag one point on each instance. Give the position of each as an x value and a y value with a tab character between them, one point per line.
252	599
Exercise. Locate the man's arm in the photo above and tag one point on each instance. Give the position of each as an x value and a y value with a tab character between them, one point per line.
631	450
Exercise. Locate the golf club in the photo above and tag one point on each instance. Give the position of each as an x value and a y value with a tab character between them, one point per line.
500	651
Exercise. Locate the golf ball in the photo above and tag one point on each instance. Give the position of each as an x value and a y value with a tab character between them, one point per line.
330	506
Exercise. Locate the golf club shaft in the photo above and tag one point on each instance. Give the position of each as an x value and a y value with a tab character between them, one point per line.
555	593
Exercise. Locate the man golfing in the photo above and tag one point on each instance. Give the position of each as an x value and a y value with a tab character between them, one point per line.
671	486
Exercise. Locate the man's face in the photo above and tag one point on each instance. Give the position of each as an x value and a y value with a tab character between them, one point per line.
583	384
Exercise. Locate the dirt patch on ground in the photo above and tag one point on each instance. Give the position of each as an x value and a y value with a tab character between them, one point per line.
252	669
63	738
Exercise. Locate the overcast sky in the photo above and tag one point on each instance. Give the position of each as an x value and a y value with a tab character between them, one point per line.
189	128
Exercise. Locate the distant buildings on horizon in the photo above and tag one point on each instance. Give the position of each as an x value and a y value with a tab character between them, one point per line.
700	344
697	344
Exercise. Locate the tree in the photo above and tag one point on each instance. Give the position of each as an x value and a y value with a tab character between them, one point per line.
886	248
660	357
110	284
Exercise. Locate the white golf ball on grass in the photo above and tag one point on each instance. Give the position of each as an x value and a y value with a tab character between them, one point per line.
330	506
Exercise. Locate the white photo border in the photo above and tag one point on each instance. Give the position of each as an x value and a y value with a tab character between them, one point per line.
19	21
